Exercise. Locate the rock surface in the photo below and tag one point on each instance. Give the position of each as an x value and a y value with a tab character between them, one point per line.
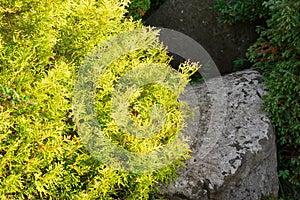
241	163
194	18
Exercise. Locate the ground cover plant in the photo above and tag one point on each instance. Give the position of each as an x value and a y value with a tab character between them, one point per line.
277	53
42	46
138	8
141	9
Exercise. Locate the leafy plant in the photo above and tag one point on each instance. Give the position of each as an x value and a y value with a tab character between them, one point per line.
238	64
141	9
242	10
277	52
42	46
138	8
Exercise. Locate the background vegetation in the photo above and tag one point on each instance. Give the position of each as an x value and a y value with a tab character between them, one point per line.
141	9
277	53
42	45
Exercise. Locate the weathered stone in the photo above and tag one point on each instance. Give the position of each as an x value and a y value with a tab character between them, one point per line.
196	19
242	162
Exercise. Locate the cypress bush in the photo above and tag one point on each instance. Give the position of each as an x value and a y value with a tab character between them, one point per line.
42	46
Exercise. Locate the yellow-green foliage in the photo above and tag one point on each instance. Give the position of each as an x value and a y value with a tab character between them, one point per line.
42	45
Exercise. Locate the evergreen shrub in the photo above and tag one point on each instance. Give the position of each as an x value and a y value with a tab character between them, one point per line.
141	9
138	8
242	10
277	53
42	46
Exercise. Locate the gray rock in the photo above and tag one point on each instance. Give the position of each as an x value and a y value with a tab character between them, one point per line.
194	18
241	161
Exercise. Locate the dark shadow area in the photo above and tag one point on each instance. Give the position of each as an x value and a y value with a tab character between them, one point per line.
155	4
